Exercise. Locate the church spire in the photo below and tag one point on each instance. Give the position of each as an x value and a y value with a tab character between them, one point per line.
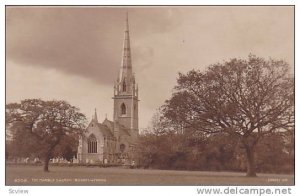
126	67
125	95
127	23
95	118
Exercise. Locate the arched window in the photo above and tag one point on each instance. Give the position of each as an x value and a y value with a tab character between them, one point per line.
122	147
123	109
124	86
92	144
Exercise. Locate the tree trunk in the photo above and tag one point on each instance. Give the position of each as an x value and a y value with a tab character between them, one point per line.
46	164
250	161
48	155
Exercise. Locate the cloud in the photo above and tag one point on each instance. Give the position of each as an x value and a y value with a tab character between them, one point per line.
82	41
60	47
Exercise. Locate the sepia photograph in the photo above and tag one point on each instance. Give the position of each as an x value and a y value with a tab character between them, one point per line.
149	95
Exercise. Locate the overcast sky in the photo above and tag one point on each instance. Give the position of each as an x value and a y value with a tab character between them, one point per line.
74	53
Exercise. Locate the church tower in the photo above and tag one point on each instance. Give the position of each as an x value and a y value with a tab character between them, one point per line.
126	92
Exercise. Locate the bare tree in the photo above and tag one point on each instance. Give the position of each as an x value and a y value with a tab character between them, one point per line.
43	124
245	99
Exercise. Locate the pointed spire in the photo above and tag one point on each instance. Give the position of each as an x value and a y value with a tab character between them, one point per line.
126	67
95	118
127	23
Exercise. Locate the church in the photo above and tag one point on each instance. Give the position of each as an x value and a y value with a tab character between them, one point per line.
115	141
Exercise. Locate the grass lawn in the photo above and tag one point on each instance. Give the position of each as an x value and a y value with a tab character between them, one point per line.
33	175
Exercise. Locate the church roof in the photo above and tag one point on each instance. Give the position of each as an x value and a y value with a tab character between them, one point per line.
107	127
110	124
123	129
105	130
